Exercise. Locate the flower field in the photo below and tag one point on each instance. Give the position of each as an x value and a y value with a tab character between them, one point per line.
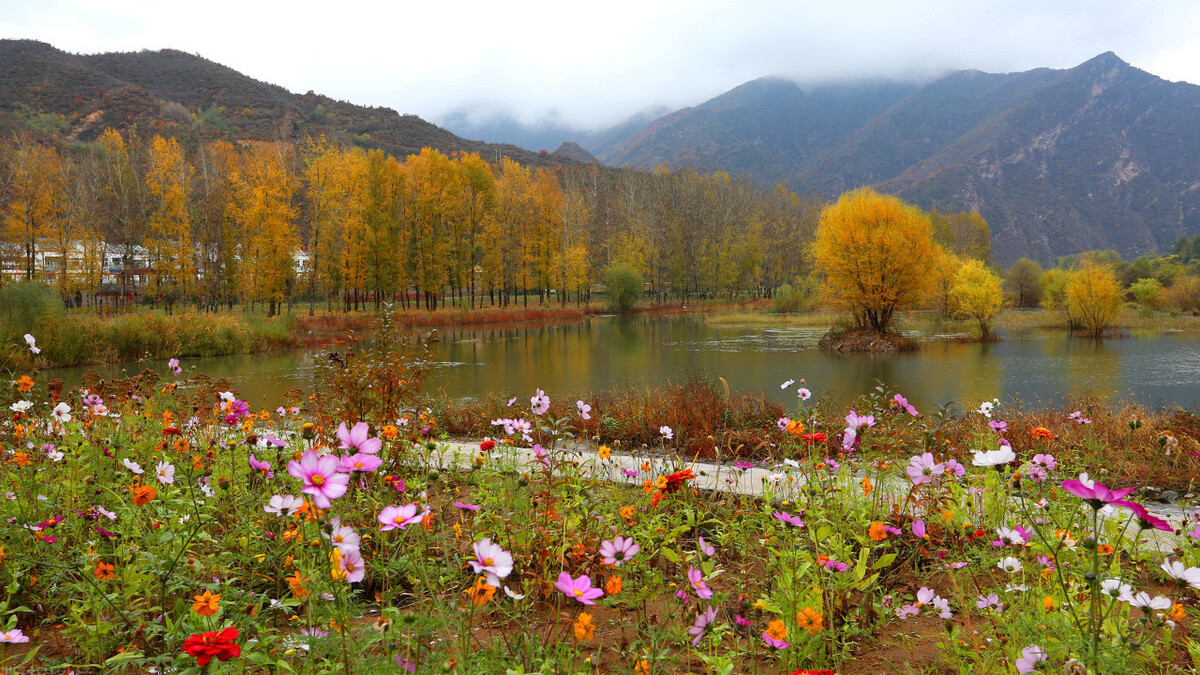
157	524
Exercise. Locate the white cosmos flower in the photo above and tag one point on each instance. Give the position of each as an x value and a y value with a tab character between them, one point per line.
1010	565
281	503
54	454
999	457
1115	588
514	596
132	465
62	413
1189	576
1144	601
21	406
165	472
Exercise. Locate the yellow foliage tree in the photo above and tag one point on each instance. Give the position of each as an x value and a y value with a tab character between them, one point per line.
264	187
1094	297
876	253
169	233
32	180
977	294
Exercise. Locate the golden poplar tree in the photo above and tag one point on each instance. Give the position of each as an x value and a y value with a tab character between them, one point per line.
977	294
32	180
171	255
266	216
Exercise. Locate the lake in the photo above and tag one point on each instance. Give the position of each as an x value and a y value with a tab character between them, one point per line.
599	353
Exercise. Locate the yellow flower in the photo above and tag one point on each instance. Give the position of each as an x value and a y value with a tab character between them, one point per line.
584	628
207	604
660	482
605	452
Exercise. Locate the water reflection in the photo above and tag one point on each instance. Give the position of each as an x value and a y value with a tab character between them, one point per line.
604	352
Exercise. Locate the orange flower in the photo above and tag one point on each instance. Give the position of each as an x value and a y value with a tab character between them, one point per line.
389	431
795	427
877	532
605	452
628	512
207	603
168	418
296	583
777	630
481	593
613	585
656	498
20	459
1104	549
143	494
867	486
808	619
1042	433
647	486
24	383
1177	613
584	628
579	550
675	480
1048	603
642	667
427	522
104	571
291	534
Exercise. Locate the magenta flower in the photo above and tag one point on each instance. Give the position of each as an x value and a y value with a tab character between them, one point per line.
952	466
696	579
356	439
632	473
467	507
360	462
918	528
399	517
784	516
1031	656
618	551
744	465
705	548
579	589
772	642
1096	494
1145	519
321	478
701	624
491	560
998	426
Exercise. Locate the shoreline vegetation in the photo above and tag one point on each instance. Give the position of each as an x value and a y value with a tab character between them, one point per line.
159	523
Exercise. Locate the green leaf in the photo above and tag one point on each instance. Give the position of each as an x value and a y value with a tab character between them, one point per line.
670	555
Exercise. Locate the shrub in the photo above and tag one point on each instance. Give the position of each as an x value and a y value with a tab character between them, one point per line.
802	297
624	287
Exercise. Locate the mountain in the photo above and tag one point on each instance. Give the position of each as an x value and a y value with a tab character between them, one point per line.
77	96
502	127
1102	155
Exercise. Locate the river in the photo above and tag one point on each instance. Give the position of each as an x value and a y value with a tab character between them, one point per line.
1028	366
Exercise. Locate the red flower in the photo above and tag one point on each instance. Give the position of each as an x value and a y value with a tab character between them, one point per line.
818	437
487	445
675	480
204	646
171	431
812	672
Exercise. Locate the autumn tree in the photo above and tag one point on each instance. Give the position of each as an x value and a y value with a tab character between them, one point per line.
875	253
32	183
216	234
1094	297
266	216
120	199
1023	283
169	232
977	295
942	277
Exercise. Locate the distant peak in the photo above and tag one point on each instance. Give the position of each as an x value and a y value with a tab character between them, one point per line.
1107	59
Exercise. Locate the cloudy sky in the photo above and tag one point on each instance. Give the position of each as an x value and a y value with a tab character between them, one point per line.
592	64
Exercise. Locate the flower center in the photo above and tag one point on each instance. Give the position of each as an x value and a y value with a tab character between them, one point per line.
317	480
358	465
488	562
578	593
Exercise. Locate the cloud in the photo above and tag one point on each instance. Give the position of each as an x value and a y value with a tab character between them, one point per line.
590	64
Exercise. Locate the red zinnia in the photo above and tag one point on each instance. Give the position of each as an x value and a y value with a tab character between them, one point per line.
204	646
487	445
818	437
171	431
675	480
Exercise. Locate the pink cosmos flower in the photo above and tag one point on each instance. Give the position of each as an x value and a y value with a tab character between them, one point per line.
902	403
990	600
998	426
952	466
491	560
701	623
918	528
399	517
922	468
1031	656
173	366
705	548
579	589
696	579
321	478
343	537
352	564
618	551
804	394
467	507
1096	494
540	403
356	439
262	467
584	409
360	462
32	342
772	642
14	636
632	473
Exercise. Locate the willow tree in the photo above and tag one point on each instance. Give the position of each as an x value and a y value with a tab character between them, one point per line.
1094	298
976	294
876	254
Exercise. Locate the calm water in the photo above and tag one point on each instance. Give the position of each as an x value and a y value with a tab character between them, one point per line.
604	352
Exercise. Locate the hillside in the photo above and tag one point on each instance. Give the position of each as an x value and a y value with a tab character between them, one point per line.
1102	155
76	97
